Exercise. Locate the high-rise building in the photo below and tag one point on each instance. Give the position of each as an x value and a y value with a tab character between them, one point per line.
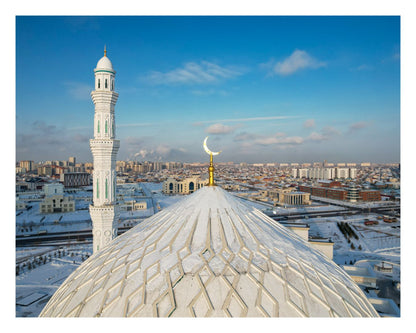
342	173
322	173
104	148
27	165
71	161
303	173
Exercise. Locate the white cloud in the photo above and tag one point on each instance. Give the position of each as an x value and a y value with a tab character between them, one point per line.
279	139
143	153
193	73
298	60
143	148
309	123
244	136
314	136
220	129
199	123
358	125
43	141
362	68
163	150
136	125
267	141
325	134
209	92
80	91
330	131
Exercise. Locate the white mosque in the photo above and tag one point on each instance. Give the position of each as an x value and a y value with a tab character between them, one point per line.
209	255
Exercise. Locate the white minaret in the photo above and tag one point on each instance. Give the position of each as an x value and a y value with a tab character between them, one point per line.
104	147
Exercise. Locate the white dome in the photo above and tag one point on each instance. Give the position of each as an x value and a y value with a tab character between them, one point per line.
104	63
209	255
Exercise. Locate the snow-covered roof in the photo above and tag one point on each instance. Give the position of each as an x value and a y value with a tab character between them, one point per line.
209	255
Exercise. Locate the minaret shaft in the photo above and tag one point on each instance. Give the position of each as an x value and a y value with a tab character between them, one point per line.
104	148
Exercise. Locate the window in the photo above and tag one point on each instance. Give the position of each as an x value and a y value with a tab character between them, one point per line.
106	189
98	190
112	84
98	85
105	83
98	126
106	127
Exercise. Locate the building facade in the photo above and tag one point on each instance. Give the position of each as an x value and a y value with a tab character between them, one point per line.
57	204
133	205
27	165
326	173
75	179
53	189
288	197
370	195
104	148
341	193
55	201
185	186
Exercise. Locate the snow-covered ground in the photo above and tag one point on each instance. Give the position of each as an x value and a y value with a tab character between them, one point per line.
32	222
378	242
41	271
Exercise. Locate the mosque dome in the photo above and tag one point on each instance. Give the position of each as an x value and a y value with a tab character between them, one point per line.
209	255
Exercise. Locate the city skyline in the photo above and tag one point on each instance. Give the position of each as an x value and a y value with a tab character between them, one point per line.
264	89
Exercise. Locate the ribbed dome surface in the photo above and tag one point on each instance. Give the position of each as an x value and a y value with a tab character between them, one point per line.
209	255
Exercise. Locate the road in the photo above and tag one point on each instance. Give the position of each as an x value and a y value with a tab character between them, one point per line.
149	195
304	215
49	238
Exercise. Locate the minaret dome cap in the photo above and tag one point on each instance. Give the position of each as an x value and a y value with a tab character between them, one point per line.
105	63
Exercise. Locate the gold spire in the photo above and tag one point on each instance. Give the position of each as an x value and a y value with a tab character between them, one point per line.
211	165
211	172
105	50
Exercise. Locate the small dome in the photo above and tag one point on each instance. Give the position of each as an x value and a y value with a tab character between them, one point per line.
209	255
104	63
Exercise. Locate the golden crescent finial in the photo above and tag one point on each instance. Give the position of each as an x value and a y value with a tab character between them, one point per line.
105	50
207	150
211	164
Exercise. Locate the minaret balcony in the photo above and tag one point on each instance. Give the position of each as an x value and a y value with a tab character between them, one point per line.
104	146
104	97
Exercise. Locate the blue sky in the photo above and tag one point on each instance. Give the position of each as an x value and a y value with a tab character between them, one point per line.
264	89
